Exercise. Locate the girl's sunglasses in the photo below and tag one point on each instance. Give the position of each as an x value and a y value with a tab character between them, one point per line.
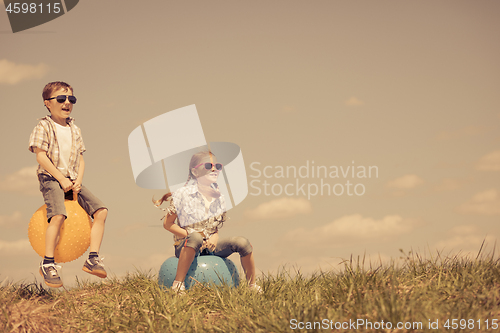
62	99
209	166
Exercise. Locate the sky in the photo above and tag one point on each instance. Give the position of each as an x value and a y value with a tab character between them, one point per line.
406	90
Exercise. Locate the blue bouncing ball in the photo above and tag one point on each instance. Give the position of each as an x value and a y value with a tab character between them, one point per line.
204	269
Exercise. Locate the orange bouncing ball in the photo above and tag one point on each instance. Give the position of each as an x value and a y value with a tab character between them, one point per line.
74	236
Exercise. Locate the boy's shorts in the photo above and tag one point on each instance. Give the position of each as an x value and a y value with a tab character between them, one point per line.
54	196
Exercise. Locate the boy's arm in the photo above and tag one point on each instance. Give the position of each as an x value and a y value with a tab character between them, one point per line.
77	186
169	225
46	163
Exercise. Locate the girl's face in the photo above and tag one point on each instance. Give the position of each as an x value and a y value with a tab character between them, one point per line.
204	176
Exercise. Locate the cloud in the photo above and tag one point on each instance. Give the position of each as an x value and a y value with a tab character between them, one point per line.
280	209
483	203
12	73
489	162
14	247
466	239
353	101
406	182
12	220
349	227
22	181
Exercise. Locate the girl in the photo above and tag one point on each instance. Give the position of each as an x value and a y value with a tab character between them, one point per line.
200	211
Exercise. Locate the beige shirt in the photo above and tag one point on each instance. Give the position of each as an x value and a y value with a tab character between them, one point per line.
44	136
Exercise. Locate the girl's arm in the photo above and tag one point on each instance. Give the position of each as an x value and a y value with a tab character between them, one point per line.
169	225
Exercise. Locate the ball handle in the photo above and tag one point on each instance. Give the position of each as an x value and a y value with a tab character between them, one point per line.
75	196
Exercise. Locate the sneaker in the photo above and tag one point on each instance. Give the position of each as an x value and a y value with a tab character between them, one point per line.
95	267
50	275
255	287
178	287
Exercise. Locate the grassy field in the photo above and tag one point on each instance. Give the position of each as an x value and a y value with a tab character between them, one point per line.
440	294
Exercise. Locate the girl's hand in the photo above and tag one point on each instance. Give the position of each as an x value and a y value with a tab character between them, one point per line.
211	243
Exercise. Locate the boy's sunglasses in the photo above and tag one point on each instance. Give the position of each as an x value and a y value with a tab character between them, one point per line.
62	99
209	166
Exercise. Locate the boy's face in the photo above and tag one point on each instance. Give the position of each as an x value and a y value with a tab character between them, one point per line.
59	111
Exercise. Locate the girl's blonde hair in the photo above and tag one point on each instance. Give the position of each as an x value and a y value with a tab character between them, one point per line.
195	160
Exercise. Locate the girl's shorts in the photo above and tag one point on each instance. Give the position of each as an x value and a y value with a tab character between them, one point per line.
225	247
54	196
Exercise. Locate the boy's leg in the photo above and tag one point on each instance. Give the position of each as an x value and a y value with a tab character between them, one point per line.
52	234
95	208
97	232
48	268
53	196
93	264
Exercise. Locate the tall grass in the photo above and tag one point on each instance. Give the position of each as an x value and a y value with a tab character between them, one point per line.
418	291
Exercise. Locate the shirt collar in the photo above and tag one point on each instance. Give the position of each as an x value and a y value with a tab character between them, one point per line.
193	188
69	120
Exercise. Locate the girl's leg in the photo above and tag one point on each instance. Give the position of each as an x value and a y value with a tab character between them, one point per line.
226	247
249	267
185	259
186	253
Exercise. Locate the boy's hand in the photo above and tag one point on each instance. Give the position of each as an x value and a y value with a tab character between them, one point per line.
66	184
77	186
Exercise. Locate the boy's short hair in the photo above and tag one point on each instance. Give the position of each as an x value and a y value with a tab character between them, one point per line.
53	86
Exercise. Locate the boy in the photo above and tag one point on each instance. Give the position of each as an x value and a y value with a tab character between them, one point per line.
58	145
